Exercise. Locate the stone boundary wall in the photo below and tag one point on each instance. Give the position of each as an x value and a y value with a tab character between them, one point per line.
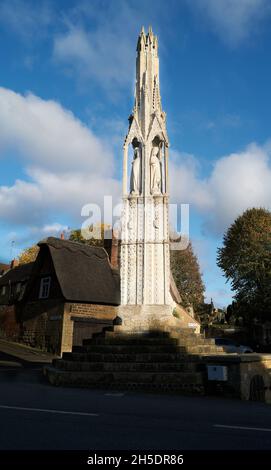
249	376
44	331
9	328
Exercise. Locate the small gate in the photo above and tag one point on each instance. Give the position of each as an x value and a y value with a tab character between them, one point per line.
257	388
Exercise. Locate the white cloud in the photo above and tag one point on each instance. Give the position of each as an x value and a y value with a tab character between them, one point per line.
37	233
100	49
16	241
221	297
51	228
67	166
185	184
238	181
51	195
49	136
99	42
232	20
98	55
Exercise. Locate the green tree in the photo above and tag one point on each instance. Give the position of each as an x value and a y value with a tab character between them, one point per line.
76	235
186	272
245	258
29	254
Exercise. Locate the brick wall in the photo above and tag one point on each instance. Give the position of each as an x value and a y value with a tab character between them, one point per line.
103	312
81	321
50	325
9	328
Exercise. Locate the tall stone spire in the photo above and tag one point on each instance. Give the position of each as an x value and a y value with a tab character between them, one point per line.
147	93
147	117
145	272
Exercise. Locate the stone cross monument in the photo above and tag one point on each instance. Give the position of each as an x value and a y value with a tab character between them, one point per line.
145	264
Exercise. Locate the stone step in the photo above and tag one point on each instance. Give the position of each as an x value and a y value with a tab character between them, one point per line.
77	349
117	359
80	378
133	340
170	332
124	366
195	342
127	357
205	349
135	348
64	378
120	340
180	338
174	336
134	331
119	331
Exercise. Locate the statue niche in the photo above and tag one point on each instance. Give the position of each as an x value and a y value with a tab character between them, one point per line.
135	180
156	170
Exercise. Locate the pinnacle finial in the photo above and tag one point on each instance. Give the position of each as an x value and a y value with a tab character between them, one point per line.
141	40
150	30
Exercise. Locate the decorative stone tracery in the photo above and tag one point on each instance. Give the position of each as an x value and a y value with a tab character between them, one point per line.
145	236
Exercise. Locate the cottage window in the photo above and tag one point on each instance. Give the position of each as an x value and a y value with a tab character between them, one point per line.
3	290
18	288
45	283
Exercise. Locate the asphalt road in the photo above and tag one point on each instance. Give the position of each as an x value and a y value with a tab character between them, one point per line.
35	415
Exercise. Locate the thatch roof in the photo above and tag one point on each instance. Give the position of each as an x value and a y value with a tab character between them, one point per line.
84	272
18	274
3	267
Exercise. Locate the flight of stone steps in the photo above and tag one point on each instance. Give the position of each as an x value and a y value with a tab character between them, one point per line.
154	361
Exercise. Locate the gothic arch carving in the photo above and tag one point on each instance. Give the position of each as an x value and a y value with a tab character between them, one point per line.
134	133
136	170
156	128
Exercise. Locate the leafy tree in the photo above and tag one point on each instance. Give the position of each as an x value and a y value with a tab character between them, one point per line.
76	235
245	258
29	254
186	272
230	312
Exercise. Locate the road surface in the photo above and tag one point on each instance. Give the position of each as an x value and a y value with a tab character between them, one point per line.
35	415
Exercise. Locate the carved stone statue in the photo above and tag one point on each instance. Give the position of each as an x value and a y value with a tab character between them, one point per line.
135	173
155	163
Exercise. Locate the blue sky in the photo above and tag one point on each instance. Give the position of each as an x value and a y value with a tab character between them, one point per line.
66	90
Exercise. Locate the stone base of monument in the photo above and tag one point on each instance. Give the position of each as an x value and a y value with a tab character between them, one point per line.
158	362
143	318
148	349
149	353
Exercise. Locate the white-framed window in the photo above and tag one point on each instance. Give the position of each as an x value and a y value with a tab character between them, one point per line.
18	288
45	283
3	290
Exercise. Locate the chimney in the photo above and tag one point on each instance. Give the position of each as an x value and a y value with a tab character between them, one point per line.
115	249
14	263
62	236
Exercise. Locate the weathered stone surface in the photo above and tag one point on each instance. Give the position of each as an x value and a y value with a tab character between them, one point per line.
168	365
147	361
145	268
